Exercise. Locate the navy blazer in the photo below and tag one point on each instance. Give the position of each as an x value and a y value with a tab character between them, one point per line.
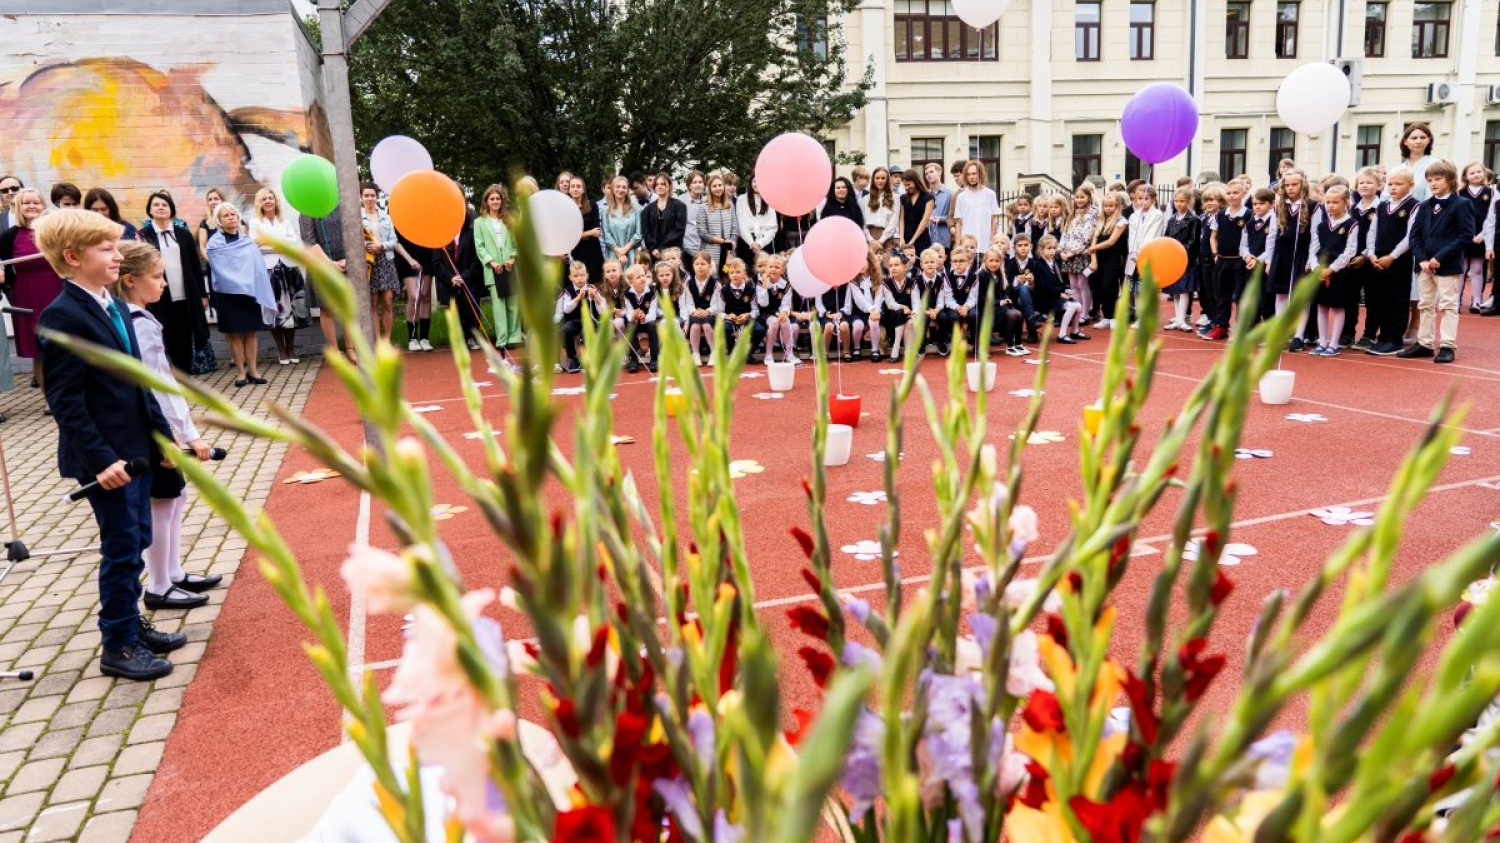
100	418
663	229
1441	229
462	256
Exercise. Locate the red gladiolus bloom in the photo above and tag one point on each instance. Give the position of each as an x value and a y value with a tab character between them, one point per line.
804	540
1221	588
1198	670
567	717
805	720
1033	794
1158	780
1440	777
597	647
1043	714
1056	629
1142	707
1117	821
630	729
809	620
589	824
812	580
819	664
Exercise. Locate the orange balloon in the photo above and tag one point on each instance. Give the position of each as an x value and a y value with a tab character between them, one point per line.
1163	260
427	208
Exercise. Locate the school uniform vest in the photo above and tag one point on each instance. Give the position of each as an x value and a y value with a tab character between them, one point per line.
897	294
1205	243
1231	233
1332	239
962	285
577	314
1293	242
703	298
737	302
802	304
835	299
641	302
1482	205
1363	219
931	287
1392	226
991	287
1257	232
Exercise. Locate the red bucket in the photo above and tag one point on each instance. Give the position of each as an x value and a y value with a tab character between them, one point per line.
844	409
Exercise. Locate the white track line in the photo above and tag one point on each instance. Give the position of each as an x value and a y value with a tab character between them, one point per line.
355	650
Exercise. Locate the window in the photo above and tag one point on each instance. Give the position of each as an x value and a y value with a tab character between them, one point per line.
1429	30
1375	30
928	30
1088	156
1367	146
1286	30
813	36
1283	145
1232	156
926	151
986	150
1237	31
1086	31
1492	145
1135	168
1142	31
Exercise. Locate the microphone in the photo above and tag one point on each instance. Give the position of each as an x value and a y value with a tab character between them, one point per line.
16	311
135	468
214	454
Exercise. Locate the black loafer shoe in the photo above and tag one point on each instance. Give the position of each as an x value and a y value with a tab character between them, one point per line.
199	583
159	642
1417	350
1444	355
136	663
175	598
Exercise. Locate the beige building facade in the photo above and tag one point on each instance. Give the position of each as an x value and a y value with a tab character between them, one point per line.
1038	96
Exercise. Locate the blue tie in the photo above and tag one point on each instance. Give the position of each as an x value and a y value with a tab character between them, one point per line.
119	320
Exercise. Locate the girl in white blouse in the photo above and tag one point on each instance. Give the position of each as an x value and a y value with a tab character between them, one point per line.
286	280
1146	224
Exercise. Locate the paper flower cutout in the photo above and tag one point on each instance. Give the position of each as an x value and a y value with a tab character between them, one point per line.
1306	418
1027	392
866	551
892	371
315	476
484	383
1460	450
622	440
430	408
1042	437
1343	516
1478	591
1253	454
879	456
568	390
868	498
474	434
1233	554
769	396
746	376
1032	361
445	511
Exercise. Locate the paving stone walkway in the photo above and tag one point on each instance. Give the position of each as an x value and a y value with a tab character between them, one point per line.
78	749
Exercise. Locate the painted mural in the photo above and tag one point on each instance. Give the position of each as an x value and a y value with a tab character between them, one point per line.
121	124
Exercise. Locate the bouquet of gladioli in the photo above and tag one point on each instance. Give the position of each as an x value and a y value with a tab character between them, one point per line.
985	706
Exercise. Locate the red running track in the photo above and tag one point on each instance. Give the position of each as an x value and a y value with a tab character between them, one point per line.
256	708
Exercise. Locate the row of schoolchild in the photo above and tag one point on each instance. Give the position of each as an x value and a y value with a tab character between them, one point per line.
1064	261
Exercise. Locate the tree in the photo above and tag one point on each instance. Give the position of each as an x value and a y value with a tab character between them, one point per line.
600	86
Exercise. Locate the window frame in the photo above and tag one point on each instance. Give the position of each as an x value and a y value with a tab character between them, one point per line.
1492	144
1285	28
1367	154
1237	30
1142	34
1377	29
934	27
1443	27
1276	152
1085	29
1227	170
930	144
1096	157
991	163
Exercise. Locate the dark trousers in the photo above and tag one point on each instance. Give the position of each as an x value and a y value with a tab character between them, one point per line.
633	332
1106	292
1387	298
1357	288
124	519
468	309
1229	281
946	319
572	330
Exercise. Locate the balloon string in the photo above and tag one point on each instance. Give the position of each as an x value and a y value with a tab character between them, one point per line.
468	296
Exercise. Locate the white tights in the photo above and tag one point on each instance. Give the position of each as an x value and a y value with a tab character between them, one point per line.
164	556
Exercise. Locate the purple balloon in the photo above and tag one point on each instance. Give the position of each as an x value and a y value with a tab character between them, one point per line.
1159	122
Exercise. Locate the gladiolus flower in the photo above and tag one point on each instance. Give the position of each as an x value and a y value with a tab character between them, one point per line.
589	824
1043	714
819	664
1026	675
382	579
1141	707
1024	529
809	620
1221	589
1117	821
1198	671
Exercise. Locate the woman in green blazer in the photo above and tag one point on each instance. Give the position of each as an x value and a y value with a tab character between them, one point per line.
497	252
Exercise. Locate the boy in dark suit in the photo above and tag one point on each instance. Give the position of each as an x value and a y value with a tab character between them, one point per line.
455	268
1443	225
104	424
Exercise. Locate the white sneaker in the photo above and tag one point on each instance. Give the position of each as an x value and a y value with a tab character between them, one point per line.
1102	323
1186	326
709	360
1172	326
795	359
413	345
1022	351
1203	321
426	346
697	360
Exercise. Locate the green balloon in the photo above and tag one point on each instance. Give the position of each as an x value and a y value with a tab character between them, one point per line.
310	185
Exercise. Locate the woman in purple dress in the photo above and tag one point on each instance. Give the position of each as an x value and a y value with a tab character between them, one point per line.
31	283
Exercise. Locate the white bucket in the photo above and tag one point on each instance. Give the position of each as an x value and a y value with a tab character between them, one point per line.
780	374
974	375
1276	386
840	441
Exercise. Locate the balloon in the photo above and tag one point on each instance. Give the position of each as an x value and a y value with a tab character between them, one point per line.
1159	122
793	173
835	248
980	13
427	208
310	185
1312	98
396	156
559	223
803	281
1163	260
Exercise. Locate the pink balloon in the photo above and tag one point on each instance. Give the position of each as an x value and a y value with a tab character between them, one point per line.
793	173
803	281
835	250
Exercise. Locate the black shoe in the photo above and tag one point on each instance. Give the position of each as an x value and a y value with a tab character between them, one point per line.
1033	338
159	642
1080	336
1066	340
944	351
241	382
175	598
572	368
136	663
258	380
1416	351
199	583
1365	342
1383	349
1296	345
1444	355
651	367
1473	308
631	366
1493	310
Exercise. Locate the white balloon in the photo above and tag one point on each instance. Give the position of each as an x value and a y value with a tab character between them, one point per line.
803	281
1312	98
980	13
396	156
559	223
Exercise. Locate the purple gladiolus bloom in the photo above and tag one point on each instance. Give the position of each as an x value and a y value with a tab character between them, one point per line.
861	779
984	627
701	728
856	655
678	796
726	831
858	609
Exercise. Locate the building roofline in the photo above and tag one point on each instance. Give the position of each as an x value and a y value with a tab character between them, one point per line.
228	8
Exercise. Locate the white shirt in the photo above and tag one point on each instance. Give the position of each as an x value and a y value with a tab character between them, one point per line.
171	259
975	211
755	229
1145	226
154	355
103	298
284	227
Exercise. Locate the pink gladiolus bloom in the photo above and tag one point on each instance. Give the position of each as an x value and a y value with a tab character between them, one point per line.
382	579
1023	525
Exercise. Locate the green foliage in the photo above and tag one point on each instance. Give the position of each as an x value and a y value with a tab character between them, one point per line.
595	86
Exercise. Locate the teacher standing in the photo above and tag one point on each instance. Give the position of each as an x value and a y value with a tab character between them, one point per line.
181	308
242	292
30	284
